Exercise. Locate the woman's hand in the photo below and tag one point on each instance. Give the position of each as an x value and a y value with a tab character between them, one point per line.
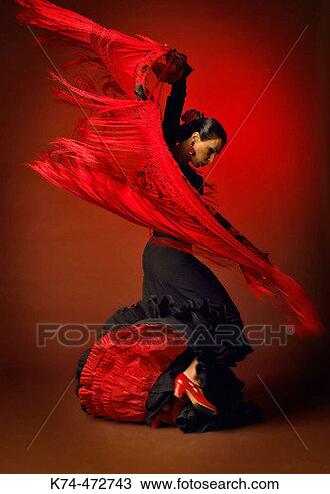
172	67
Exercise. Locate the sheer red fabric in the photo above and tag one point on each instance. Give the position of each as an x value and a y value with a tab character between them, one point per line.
118	158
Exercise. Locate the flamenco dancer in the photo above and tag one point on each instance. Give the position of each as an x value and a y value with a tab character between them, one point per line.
127	157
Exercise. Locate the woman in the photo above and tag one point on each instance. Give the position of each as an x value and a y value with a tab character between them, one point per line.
177	288
168	271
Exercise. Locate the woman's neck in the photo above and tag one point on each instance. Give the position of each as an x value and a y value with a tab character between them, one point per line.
180	152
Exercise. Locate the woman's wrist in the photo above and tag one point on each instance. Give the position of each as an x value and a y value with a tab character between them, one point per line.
187	71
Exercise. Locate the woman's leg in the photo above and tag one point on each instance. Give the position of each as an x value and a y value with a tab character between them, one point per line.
168	271
191	371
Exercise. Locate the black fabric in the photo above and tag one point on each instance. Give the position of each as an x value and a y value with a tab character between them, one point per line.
168	271
80	366
173	110
219	383
190	420
220	386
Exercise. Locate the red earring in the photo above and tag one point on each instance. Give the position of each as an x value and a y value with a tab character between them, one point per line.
191	150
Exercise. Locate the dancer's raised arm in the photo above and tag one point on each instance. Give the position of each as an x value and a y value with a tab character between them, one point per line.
173	110
174	106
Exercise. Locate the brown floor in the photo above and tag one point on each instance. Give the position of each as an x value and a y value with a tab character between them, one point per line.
71	441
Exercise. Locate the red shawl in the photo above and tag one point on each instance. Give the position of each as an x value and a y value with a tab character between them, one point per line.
118	158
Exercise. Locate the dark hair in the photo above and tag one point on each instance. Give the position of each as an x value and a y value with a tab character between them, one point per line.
208	128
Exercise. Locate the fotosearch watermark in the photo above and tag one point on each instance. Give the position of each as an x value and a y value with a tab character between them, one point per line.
156	333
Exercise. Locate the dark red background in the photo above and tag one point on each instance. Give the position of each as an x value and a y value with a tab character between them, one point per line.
66	261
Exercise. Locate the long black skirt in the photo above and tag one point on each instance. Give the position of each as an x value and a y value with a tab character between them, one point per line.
169	271
180	291
180	275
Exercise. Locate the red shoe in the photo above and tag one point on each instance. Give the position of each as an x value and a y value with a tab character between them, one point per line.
183	384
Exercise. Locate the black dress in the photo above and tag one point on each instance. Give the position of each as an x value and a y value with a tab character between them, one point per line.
180	289
190	283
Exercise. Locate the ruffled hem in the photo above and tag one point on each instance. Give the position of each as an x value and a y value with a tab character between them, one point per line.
105	375
213	332
190	420
121	368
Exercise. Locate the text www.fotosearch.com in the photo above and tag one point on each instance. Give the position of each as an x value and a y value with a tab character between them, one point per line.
238	484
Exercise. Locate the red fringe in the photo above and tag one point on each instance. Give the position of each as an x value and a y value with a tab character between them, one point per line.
118	158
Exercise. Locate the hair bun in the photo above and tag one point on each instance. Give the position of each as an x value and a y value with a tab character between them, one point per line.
191	115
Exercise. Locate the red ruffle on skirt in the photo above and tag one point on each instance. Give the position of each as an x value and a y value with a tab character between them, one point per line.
122	367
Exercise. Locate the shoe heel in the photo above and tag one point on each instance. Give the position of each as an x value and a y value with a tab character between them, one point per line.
179	389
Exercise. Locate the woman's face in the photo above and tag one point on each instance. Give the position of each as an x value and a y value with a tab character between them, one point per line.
204	151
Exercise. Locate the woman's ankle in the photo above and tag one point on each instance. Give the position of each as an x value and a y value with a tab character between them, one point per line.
191	371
